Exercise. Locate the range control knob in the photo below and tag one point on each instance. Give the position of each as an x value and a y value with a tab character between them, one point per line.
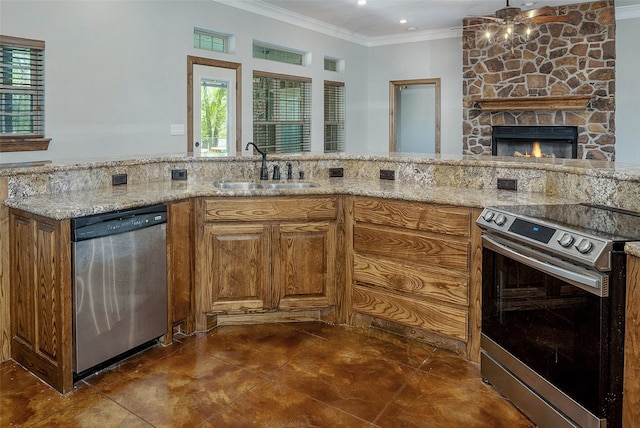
565	240
500	219
488	216
584	245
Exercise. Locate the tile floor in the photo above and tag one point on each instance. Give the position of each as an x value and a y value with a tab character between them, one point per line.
271	375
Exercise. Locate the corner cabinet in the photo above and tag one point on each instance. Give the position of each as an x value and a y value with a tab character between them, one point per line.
417	271
41	313
263	255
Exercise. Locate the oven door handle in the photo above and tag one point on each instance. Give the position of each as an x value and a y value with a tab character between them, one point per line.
591	283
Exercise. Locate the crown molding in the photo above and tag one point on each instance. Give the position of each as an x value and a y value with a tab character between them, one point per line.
627	12
283	15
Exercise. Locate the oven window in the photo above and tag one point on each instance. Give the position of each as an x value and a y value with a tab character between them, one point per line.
551	326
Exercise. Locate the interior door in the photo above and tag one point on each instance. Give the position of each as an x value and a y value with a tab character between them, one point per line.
212	73
214	95
414	116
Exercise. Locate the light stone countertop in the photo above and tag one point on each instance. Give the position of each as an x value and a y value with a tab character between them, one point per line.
632	248
66	205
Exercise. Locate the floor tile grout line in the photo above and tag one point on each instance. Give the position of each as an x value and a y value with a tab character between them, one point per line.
413	375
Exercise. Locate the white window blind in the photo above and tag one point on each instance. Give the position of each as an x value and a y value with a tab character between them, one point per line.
334	139
281	113
21	88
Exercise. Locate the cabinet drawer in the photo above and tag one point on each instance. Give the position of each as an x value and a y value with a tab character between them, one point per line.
411	279
270	209
413	215
411	246
438	318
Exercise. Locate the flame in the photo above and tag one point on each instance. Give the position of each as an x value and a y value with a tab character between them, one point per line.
536	152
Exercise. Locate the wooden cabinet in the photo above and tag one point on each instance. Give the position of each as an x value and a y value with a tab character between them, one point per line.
257	255
41	312
180	258
631	394
417	265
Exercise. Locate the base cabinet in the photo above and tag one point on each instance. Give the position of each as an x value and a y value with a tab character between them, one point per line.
41	312
258	255
416	270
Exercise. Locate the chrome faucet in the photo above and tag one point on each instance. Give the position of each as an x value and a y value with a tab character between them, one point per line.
289	172
264	171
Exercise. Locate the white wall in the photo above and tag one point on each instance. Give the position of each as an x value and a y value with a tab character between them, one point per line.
418	60
627	91
116	71
116	75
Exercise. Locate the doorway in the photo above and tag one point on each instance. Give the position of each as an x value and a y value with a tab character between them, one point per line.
414	112
214	119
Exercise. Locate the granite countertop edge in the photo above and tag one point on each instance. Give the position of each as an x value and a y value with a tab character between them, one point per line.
60	206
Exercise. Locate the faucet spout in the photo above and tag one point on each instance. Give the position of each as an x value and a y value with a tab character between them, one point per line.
264	171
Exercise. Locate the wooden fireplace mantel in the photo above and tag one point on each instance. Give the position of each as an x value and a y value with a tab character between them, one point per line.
533	103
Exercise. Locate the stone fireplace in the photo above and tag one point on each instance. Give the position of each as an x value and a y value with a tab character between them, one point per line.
563	75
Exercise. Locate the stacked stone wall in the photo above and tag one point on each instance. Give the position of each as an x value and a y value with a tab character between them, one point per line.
560	59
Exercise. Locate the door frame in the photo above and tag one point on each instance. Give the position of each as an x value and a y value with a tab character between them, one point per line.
393	99
195	60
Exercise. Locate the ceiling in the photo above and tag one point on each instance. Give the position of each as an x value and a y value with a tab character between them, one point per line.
377	22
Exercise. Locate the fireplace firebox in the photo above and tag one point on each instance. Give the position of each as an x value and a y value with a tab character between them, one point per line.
535	141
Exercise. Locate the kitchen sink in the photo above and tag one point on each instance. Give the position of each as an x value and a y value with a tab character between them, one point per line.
238	185
289	185
247	185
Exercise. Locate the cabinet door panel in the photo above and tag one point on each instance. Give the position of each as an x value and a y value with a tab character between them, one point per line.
412	215
270	209
239	271
411	278
435	317
46	293
41	298
413	246
304	266
22	289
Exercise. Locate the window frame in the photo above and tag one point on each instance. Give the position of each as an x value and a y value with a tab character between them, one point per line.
338	118
202	32
281	110
35	141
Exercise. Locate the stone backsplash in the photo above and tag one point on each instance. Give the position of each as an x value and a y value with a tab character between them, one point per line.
560	59
593	181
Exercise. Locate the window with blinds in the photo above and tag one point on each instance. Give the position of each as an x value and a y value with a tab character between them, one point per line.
334	139
21	89
281	113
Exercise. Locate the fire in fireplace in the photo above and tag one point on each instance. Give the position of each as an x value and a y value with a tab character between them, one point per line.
535	141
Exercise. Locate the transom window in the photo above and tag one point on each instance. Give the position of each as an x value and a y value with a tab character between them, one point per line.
274	53
210	40
281	112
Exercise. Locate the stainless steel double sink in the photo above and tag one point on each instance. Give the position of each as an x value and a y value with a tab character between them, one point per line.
248	185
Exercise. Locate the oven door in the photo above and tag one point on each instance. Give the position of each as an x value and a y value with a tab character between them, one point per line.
546	320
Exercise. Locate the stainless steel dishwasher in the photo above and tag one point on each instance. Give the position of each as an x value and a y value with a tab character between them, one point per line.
120	284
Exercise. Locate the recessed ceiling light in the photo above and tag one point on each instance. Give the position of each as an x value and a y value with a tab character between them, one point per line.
403	21
412	29
362	2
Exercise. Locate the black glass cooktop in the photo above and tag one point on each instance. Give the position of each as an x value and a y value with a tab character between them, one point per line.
606	222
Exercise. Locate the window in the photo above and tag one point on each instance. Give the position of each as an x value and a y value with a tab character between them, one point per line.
334	117
22	95
281	113
272	53
210	40
330	64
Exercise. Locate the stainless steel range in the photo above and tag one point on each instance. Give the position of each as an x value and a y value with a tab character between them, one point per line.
553	291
